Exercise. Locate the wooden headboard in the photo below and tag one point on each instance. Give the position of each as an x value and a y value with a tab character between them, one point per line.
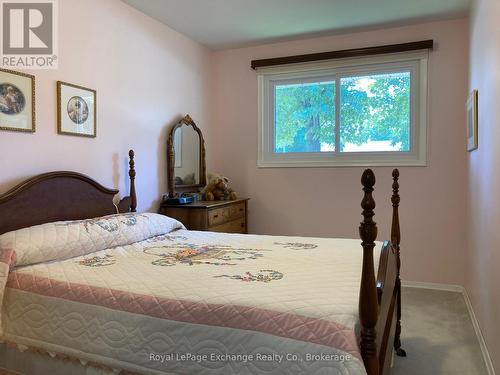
59	196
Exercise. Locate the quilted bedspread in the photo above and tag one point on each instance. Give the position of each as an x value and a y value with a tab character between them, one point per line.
186	302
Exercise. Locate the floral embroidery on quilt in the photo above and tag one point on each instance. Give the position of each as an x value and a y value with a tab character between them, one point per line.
109	224
191	254
166	237
97	261
297	245
264	276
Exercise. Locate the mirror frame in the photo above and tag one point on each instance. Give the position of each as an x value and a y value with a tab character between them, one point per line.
186	120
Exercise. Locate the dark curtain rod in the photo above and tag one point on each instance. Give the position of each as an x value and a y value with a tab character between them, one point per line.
355	52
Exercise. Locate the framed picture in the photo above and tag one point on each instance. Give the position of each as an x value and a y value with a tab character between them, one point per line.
76	110
472	121
17	101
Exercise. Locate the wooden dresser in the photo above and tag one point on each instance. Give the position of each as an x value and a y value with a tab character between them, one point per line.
213	216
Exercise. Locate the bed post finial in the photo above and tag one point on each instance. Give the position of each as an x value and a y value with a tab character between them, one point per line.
368	300
131	173
395	241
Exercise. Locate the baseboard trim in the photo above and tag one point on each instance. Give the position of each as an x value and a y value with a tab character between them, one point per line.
475	323
434	286
482	343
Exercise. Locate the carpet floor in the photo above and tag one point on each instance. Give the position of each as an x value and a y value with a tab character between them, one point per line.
438	335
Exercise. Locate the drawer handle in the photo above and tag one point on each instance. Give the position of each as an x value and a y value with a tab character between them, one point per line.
243	225
216	216
241	209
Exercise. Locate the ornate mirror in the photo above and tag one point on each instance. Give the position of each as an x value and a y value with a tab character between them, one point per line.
185	158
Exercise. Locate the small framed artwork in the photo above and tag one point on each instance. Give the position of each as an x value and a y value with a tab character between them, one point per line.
76	110
472	143
17	101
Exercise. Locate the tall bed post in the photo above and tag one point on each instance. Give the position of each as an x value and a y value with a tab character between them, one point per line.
396	240
131	173
368	301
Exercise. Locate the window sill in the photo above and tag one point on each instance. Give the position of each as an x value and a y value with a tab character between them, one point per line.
342	162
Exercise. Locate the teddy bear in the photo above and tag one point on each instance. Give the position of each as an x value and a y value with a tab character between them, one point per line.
218	189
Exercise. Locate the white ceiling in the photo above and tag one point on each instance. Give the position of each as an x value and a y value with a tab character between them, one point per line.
220	24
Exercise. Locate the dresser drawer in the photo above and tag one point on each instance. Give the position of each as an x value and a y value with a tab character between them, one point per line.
219	216
222	215
234	226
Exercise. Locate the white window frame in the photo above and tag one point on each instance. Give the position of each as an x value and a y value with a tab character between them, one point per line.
268	78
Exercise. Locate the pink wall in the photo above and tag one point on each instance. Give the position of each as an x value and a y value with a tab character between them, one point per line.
146	75
325	201
482	274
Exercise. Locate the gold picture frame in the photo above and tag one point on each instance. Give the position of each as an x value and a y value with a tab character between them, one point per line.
472	117
76	110
17	101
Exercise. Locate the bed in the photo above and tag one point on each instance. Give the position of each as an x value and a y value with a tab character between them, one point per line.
88	286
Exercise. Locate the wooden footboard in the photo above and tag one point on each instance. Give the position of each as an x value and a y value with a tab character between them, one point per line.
380	298
387	295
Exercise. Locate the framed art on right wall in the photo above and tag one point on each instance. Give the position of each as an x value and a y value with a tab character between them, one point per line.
472	143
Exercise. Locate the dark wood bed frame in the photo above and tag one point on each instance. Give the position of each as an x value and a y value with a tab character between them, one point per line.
59	196
380	298
62	195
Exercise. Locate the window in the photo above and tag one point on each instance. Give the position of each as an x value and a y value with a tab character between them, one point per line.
369	111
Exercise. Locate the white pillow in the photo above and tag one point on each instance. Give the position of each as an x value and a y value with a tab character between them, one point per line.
67	239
